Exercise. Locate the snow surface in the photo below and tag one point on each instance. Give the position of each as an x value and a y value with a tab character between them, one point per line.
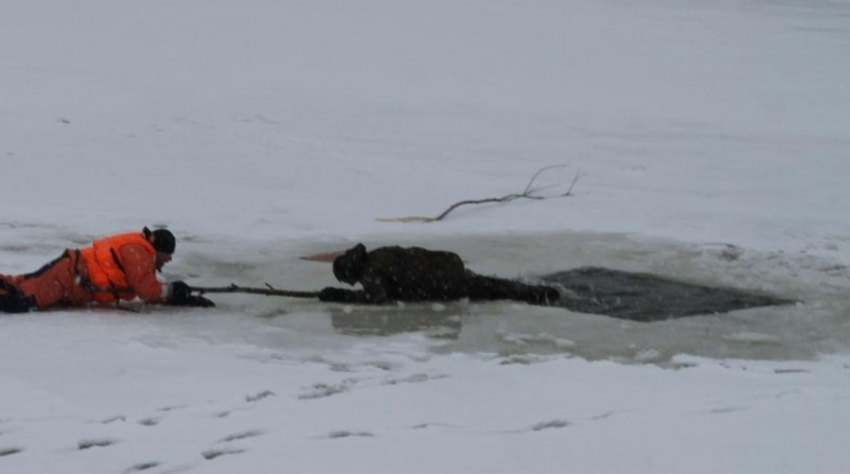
711	142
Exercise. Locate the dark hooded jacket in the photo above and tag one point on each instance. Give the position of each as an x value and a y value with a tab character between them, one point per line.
417	274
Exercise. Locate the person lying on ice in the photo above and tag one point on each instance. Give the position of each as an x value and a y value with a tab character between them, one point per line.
120	267
416	274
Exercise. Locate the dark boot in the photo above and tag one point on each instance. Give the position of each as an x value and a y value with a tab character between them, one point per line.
12	300
492	288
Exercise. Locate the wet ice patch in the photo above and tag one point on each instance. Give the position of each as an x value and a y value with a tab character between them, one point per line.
437	319
752	338
540	339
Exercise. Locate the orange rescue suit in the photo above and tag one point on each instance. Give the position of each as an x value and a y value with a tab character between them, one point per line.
124	266
118	267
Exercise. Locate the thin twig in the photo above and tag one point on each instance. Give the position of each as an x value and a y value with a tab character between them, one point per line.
528	193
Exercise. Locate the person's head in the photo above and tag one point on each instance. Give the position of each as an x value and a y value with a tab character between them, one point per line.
348	268
163	242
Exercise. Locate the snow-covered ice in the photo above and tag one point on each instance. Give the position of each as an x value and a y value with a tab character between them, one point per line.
711	143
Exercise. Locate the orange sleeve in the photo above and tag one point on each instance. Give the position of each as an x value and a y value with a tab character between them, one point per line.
141	274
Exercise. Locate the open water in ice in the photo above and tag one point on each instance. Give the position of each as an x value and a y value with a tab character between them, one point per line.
819	324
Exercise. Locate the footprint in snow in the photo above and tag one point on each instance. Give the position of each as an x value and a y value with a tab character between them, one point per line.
10	451
548	425
349	434
95	443
259	396
152	421
214	453
142	466
113	419
542	426
603	416
562	423
243	435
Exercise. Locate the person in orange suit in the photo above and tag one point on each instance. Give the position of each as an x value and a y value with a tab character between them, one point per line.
116	268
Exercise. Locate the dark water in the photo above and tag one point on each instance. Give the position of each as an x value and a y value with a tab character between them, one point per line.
645	297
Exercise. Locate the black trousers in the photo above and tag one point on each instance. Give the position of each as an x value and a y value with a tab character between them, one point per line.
491	288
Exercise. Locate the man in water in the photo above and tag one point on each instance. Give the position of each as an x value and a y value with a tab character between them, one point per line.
417	274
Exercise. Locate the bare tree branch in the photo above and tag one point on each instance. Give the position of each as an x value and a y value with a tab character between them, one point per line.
530	192
269	291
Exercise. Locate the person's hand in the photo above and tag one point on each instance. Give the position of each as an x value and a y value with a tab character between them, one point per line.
181	295
198	302
180	291
333	294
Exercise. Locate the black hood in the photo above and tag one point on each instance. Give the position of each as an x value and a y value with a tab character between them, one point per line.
163	239
349	266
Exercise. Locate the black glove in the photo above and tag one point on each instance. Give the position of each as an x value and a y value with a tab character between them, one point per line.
181	295
197	302
333	294
180	291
